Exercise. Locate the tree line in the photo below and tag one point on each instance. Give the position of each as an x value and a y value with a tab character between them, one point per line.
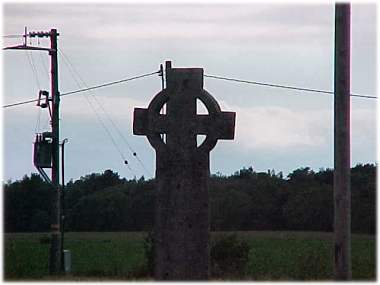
246	200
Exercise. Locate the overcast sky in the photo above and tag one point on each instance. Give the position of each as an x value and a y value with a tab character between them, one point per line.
289	44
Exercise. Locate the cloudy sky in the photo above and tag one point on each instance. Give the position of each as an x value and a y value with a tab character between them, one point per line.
279	129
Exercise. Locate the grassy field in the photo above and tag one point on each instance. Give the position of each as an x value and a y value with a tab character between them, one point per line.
120	256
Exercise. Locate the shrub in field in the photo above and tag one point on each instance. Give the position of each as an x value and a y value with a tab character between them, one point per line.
149	253
314	263
45	239
24	259
229	257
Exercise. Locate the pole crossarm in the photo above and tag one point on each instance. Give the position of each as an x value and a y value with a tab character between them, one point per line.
26	47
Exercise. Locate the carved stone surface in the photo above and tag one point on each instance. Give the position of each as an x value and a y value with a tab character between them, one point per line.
182	171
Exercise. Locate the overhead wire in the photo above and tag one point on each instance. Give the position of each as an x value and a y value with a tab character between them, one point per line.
108	84
209	76
283	86
35	73
100	119
20	103
85	89
109	134
134	153
34	69
13	36
37	128
95	111
43	63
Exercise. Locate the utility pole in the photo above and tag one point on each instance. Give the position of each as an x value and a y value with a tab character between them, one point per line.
342	160
55	245
63	203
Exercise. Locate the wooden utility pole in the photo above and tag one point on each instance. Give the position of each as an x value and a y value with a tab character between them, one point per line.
63	202
55	246
342	161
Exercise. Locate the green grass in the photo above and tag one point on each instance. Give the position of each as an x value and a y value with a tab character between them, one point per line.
111	255
120	256
305	256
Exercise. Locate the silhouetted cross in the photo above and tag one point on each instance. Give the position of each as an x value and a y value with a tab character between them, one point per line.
181	232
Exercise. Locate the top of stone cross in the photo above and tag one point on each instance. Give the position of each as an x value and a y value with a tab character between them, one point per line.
191	78
181	123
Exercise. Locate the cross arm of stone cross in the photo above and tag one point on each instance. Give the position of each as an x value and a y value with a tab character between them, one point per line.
222	126
215	125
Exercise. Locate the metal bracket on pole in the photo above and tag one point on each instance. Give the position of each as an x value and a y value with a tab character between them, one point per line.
44	175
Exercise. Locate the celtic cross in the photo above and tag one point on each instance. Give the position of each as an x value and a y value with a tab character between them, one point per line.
182	171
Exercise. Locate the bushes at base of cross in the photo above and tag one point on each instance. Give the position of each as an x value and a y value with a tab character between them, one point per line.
228	257
149	253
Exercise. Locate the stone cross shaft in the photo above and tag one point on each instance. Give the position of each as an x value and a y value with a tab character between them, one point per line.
181	232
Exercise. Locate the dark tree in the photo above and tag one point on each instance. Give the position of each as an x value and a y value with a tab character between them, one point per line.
246	200
26	205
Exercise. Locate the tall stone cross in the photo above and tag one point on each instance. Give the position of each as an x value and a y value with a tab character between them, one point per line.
181	232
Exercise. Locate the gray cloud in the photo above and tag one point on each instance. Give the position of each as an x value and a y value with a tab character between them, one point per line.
228	24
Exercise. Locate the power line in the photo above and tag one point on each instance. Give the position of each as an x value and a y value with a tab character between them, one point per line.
20	103
86	89
105	112
71	70
284	86
34	69
109	84
209	76
13	36
44	64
